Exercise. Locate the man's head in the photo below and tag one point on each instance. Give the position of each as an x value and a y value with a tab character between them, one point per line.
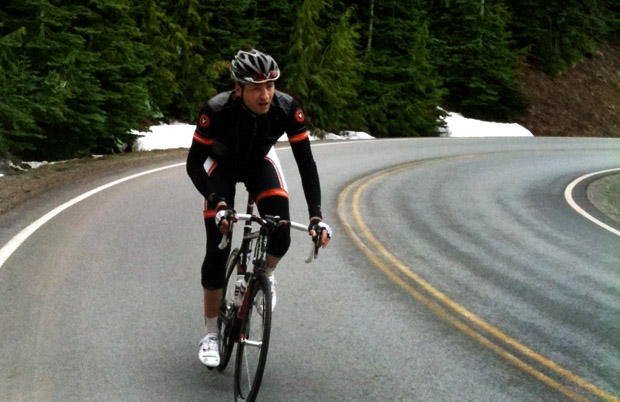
254	74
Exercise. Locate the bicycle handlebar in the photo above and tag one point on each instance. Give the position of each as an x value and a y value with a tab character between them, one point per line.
295	225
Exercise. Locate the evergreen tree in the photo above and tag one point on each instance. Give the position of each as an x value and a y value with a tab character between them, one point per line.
117	62
81	78
272	23
162	54
17	83
190	53
48	55
475	57
401	89
231	27
558	34
323	68
192	43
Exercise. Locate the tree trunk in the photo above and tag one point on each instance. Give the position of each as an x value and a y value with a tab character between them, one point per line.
370	26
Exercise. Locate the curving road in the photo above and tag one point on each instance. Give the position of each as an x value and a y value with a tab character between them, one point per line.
458	272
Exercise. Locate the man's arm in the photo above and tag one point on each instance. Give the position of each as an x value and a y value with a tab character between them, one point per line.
300	145
196	158
298	136
199	151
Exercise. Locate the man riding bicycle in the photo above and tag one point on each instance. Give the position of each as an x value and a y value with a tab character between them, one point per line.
233	142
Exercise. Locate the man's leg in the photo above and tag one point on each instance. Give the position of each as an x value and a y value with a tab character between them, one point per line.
268	187
213	277
272	263
212	300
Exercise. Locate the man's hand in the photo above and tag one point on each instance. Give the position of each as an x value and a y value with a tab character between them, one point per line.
316	226
224	217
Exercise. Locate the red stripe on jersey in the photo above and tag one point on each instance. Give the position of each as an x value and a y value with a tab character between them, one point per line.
212	168
298	137
208	213
276	192
201	139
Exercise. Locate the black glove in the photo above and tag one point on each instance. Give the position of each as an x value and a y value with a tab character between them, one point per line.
225	214
319	226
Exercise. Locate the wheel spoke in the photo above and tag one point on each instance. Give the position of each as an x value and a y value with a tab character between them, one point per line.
252	350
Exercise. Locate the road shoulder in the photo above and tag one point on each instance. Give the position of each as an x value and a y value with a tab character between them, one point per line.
604	194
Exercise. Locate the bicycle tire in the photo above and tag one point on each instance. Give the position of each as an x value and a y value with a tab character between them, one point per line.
227	321
254	345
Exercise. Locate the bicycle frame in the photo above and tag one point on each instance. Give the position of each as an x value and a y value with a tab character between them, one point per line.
244	268
259	259
237	324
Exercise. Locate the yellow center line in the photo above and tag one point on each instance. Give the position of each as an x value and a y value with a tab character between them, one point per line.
439	299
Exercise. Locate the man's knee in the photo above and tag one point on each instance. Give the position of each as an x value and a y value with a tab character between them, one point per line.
213	273
279	241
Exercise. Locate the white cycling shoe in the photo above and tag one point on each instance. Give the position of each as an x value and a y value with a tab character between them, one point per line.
209	353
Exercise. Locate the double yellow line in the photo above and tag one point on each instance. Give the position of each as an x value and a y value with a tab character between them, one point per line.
526	359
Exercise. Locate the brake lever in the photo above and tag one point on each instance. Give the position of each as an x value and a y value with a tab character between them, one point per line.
224	242
316	245
230	217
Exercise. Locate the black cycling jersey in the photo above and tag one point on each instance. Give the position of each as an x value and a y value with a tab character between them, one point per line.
237	140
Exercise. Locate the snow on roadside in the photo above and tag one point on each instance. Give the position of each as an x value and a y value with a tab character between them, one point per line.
165	136
459	126
180	135
172	136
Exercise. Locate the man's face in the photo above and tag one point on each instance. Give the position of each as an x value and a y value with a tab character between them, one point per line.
257	97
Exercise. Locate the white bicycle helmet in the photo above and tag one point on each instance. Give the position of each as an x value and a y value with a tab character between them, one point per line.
253	67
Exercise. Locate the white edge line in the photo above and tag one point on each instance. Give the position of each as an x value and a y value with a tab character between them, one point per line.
9	248
568	195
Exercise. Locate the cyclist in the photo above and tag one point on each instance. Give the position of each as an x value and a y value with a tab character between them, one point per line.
233	142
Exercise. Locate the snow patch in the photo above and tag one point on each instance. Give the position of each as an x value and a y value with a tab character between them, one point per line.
173	136
459	126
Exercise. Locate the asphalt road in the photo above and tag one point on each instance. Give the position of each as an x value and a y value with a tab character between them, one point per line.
461	274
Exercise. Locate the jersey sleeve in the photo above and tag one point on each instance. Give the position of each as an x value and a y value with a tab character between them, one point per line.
298	136
200	150
203	132
296	123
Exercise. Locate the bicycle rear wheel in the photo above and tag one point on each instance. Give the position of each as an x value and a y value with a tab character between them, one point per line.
227	324
254	343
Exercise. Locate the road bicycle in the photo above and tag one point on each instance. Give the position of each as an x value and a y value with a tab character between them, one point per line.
249	324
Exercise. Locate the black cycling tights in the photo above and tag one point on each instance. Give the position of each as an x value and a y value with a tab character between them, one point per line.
214	264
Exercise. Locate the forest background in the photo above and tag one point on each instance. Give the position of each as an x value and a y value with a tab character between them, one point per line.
77	76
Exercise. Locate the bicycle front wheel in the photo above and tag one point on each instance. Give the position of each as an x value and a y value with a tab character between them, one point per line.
254	342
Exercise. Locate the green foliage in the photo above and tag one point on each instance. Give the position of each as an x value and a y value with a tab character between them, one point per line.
184	66
324	70
161	82
267	34
115	60
77	77
17	82
558	34
401	89
476	58
80	69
